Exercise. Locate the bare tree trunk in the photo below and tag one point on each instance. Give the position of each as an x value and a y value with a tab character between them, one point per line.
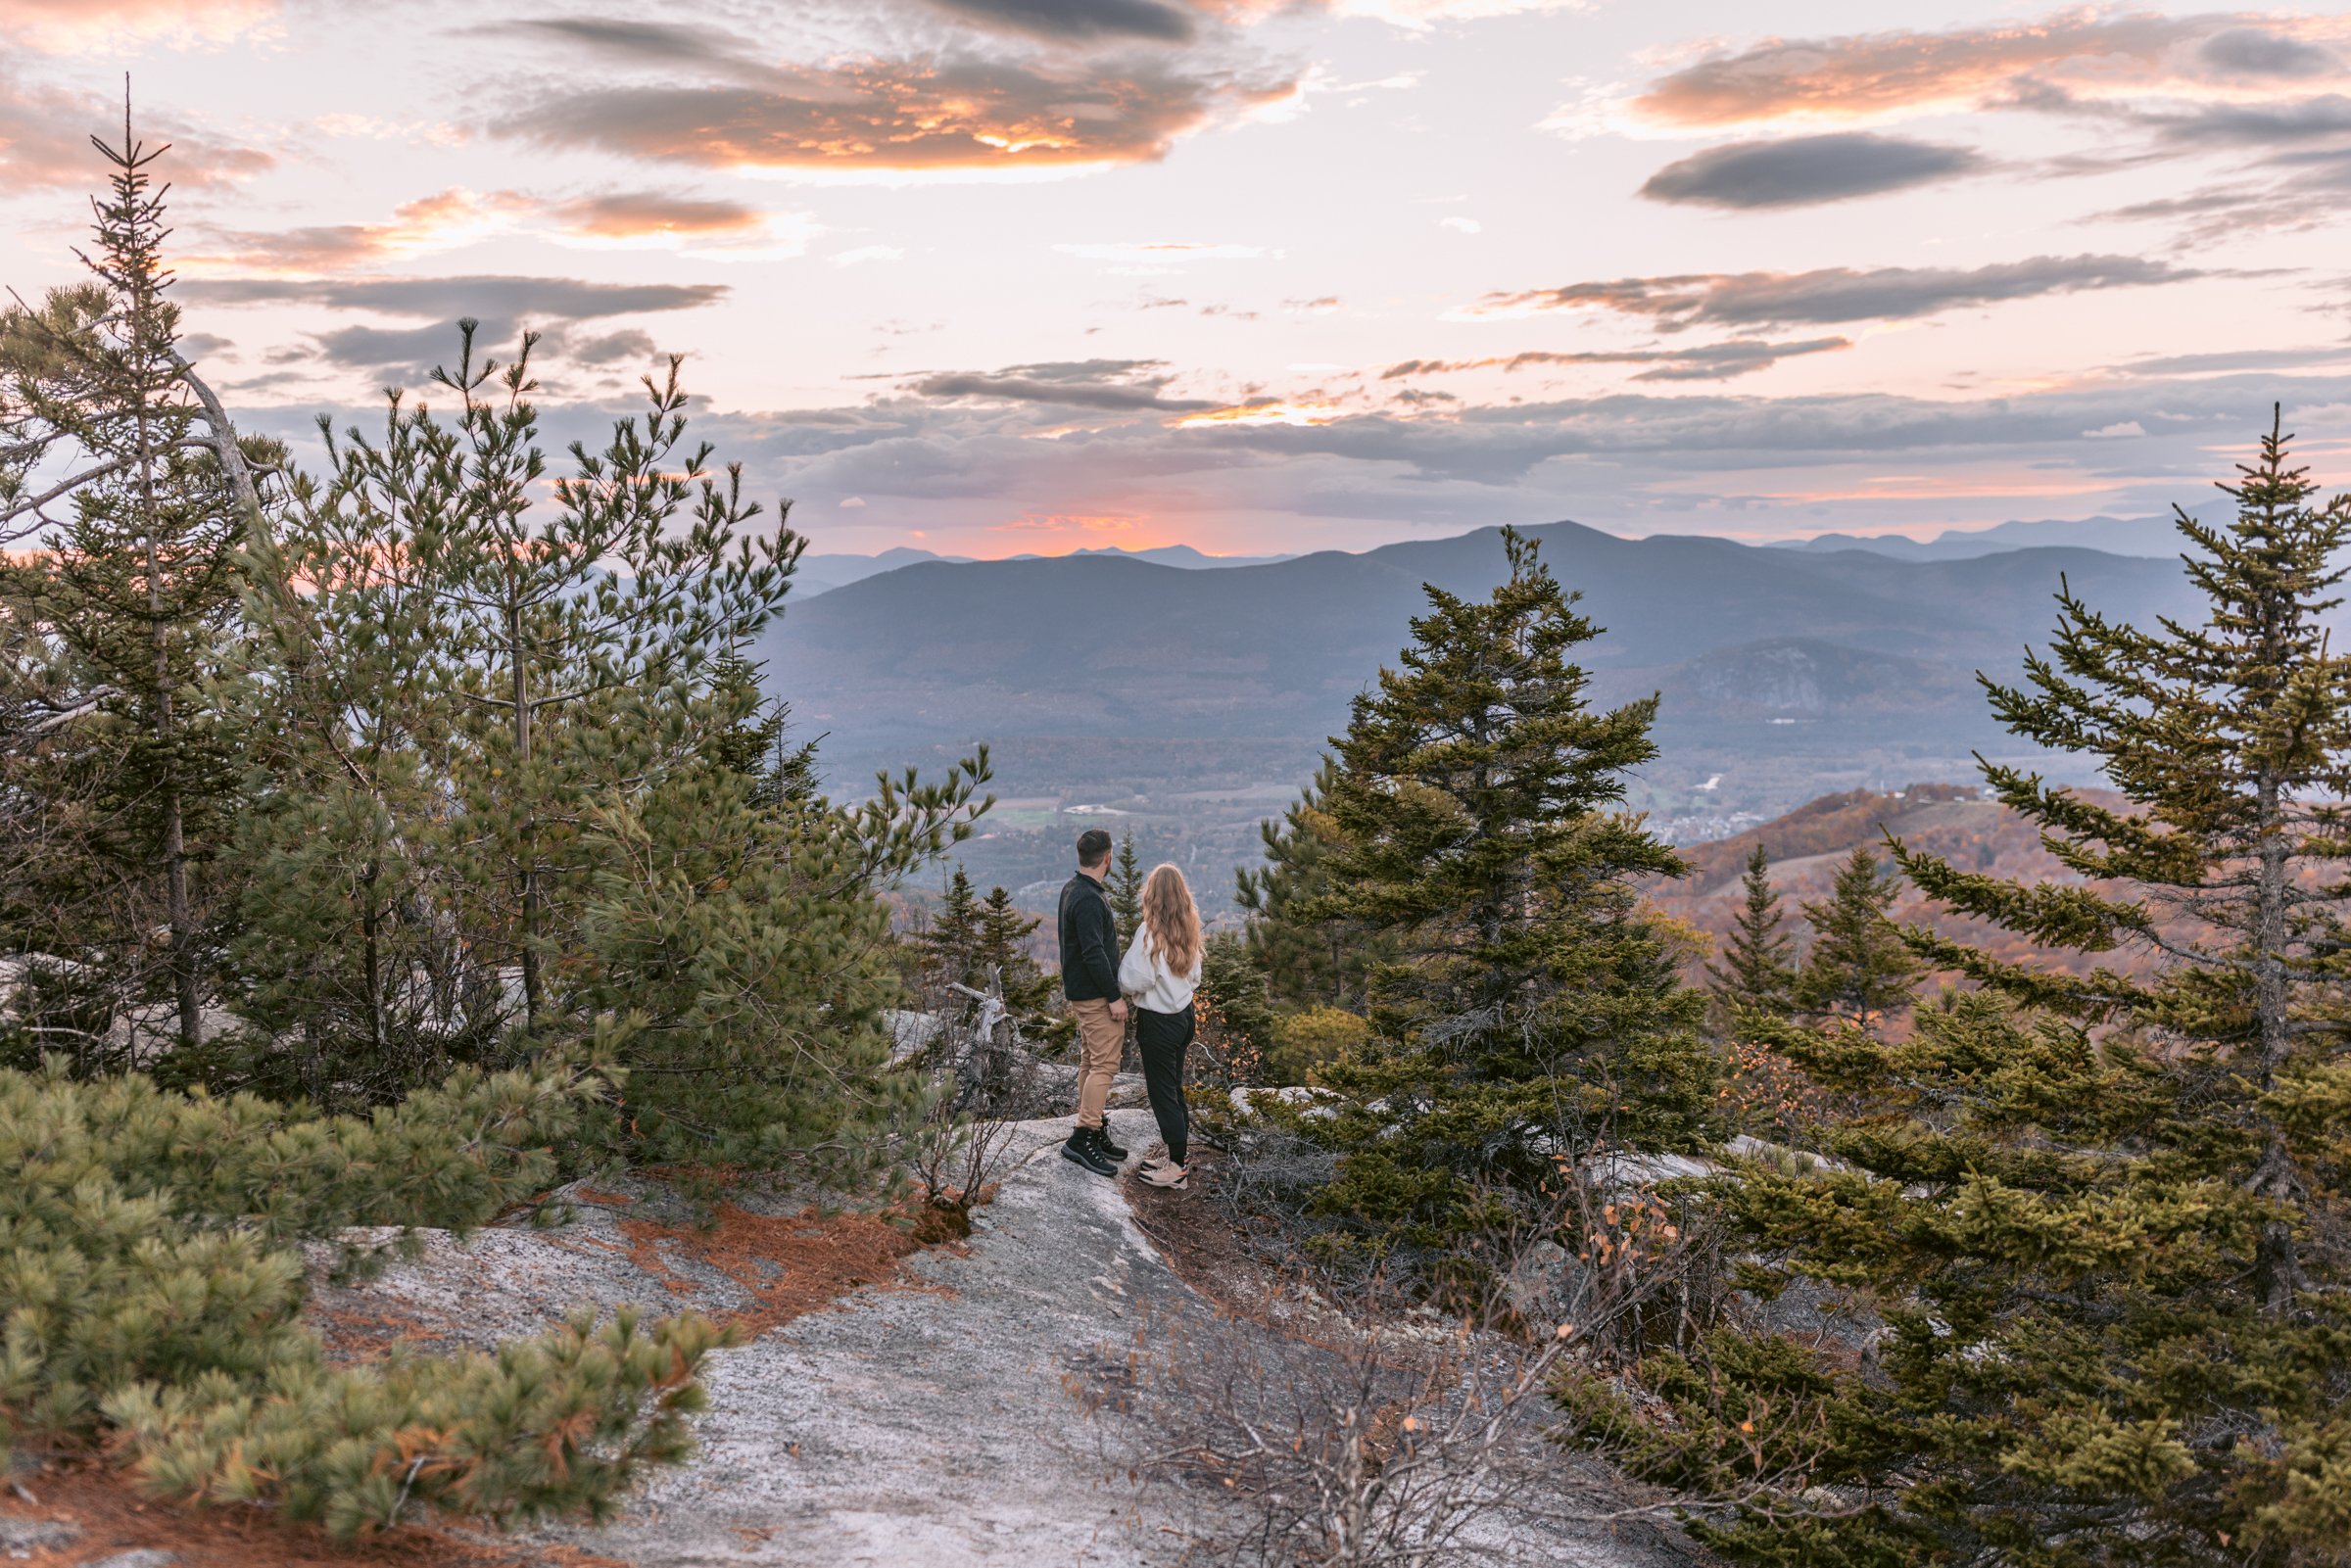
530	825
371	961
2277	1270
174	846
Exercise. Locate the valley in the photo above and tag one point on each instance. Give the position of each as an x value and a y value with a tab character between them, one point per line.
1188	705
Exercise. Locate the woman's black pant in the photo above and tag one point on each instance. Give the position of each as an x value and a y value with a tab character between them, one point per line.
1163	1038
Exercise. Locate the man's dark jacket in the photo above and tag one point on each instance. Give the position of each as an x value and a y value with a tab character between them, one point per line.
1090	943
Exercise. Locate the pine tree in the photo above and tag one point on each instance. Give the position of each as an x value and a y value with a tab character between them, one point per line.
1126	890
1531	1008
138	582
2100	1209
153	1295
1756	972
1859	971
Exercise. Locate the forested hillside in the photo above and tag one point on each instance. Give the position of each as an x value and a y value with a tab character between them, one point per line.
1809	846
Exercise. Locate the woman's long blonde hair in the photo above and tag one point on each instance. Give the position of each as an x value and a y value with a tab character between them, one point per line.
1172	918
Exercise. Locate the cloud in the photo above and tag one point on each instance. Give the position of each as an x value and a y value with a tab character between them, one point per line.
2256	52
45	141
2304	188
1461	225
73	26
639	42
457	217
1712	361
873	116
1803	170
448	298
1079	21
2271	124
1617	456
2230	361
1162	251
434	222
634	215
2119	430
1831	296
1108	385
504	306
1872	74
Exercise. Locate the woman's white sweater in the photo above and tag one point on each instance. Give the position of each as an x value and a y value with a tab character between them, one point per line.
1147	981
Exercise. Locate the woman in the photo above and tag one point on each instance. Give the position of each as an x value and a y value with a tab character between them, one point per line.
1158	976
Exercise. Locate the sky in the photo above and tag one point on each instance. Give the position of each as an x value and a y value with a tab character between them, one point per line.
996	276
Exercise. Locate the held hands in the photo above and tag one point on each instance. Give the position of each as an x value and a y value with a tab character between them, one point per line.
1118	1011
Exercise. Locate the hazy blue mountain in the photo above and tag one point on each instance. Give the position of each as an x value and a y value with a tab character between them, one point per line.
2154	537
1185	556
822	574
1733	636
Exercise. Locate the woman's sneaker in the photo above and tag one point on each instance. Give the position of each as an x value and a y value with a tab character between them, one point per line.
1080	1151
1166	1176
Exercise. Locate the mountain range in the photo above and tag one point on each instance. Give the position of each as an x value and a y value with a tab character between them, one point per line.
2117	536
821	574
1739	639
2152	536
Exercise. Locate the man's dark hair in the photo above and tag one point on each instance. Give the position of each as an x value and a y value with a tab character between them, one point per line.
1094	847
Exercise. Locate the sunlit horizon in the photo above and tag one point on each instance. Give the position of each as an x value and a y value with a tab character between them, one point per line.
992	277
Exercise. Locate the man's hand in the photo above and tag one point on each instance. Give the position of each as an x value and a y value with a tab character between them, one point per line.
1118	1012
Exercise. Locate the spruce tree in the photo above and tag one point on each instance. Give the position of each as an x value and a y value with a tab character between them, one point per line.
1126	890
2099	1207
1322	962
1531	1009
137	583
1030	993
758	742
1859	972
951	944
1756	972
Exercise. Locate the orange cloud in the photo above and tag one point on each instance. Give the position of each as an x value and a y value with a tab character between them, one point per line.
434	222
639	215
875	114
1712	361
1266	411
2084	54
45	132
457	217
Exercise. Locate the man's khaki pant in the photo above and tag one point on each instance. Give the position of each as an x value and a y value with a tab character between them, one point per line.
1102	1041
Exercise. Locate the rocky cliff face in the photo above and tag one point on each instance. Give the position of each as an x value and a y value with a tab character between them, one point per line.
935	1416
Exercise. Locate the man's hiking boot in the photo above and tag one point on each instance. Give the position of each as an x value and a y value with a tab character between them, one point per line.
1118	1156
1080	1151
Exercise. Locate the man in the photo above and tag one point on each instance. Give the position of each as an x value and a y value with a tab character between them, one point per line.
1089	982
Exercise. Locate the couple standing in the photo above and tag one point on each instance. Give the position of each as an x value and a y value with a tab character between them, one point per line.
1156	978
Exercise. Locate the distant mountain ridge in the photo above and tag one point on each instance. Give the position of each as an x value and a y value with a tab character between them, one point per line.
1747	645
822	574
2154	537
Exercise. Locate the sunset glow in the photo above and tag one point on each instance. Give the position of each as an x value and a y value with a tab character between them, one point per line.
1260	276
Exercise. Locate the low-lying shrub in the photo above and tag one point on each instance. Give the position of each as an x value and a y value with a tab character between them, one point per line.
151	1295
